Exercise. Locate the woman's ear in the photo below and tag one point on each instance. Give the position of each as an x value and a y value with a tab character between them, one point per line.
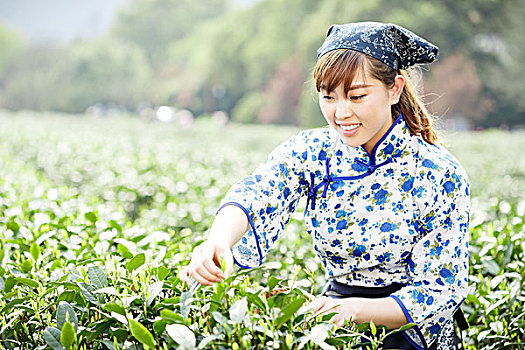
397	89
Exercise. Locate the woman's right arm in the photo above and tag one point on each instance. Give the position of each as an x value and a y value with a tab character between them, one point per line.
229	226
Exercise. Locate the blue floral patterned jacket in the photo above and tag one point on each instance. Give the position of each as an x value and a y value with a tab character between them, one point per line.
400	215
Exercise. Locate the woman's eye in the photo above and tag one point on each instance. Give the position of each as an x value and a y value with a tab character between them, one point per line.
326	97
356	98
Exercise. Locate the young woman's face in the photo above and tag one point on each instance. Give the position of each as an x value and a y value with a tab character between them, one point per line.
363	115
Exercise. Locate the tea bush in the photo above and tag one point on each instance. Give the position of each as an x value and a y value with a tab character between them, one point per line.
97	216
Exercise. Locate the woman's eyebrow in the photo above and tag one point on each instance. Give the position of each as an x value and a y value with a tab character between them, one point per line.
359	86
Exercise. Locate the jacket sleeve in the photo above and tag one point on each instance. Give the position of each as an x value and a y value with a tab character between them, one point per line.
268	196
438	264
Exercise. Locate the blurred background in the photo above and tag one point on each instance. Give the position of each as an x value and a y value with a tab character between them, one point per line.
247	61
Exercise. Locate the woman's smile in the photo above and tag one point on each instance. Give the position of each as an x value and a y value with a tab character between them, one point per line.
349	129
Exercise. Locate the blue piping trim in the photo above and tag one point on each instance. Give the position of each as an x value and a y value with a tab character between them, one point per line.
312	192
374	150
254	233
411	320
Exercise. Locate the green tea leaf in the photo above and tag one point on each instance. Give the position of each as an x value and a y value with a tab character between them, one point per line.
52	338
492	267
67	295
9	305
66	313
204	342
13	226
113	307
27	265
186	299
238	310
109	344
68	336
272	282
124	251
153	291
170	316
219	317
182	335
373	328
119	317
9	283
288	311
159	326
162	272
91	217
136	262
108	291
97	277
35	251
255	299
28	282
89	293
141	333
115	225
222	262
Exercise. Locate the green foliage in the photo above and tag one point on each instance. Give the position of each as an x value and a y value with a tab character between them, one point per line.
12	44
116	215
253	61
247	109
80	75
154	25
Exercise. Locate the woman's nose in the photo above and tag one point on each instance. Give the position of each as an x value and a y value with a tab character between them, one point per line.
343	110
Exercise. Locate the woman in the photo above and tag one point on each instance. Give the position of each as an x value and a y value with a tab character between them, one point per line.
387	207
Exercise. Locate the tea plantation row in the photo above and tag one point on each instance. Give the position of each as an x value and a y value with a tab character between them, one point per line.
97	216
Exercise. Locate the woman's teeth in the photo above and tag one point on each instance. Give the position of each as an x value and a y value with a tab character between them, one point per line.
349	127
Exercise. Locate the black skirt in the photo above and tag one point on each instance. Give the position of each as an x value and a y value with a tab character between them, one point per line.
447	339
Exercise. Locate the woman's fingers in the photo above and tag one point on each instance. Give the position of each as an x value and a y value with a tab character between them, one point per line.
228	259
318	304
184	276
201	280
204	271
203	265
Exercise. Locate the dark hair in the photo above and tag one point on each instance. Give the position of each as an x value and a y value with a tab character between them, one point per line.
342	65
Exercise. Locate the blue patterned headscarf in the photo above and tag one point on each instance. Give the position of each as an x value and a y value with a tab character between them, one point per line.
393	45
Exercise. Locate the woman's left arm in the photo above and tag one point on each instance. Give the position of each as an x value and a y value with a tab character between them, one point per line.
382	311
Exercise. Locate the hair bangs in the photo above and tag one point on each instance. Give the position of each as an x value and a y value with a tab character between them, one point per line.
336	67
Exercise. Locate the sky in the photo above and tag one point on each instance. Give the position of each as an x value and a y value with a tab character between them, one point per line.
62	21
59	21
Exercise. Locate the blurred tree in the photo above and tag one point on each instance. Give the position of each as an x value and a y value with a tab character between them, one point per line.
255	62
71	79
282	94
31	82
502	54
12	44
154	24
455	86
242	51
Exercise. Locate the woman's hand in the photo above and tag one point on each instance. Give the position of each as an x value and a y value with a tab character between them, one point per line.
346	309
204	266
382	311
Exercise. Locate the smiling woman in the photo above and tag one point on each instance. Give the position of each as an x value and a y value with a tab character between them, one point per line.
387	208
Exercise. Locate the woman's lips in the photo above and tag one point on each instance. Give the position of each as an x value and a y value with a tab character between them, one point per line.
350	129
